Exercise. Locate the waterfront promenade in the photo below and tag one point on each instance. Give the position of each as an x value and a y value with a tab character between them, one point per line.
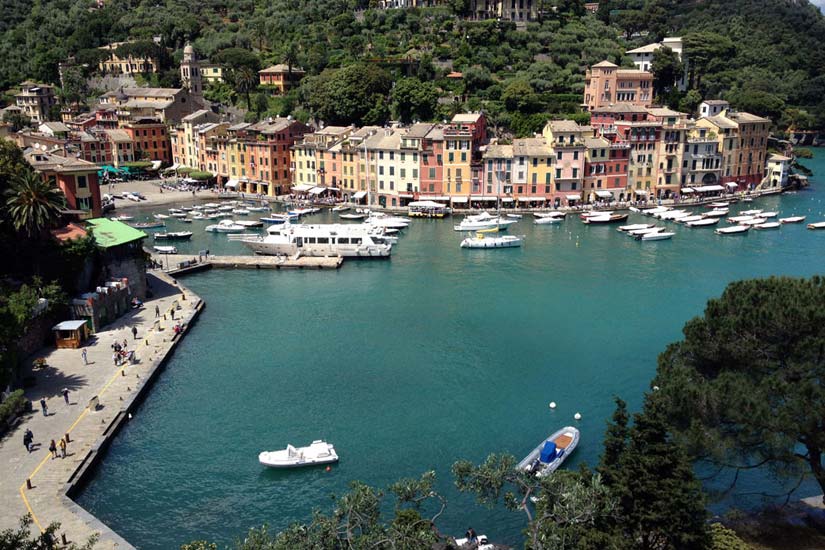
118	389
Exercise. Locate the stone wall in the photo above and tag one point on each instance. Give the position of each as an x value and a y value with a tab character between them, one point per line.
131	268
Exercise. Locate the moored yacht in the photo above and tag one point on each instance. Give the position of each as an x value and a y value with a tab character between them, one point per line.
348	241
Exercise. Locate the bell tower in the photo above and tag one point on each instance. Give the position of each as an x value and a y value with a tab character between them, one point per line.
190	71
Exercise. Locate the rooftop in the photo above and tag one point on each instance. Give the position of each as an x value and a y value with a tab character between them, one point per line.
68	233
664	112
419	130
196	115
43	161
110	233
649	48
715	102
605	64
564	126
494	150
118	135
466	118
279	69
531	147
56	127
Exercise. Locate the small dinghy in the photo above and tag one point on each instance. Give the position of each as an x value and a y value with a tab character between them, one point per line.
546	220
816	225
646	231
225	226
318	452
549	455
635	226
516	216
704	222
352	216
717	213
688	219
767	225
147	225
258	208
792	219
174	236
165	249
160	216
733	230
340	208
661	236
482	241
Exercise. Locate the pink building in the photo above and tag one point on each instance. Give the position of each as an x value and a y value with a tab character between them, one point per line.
606	84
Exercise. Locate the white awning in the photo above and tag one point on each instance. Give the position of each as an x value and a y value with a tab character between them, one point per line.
506	199
302	187
439	198
69	325
483	197
156	164
573	197
425	204
231	183
687	189
709	188
317	190
405	195
641	192
461	199
732	184
604	194
359	195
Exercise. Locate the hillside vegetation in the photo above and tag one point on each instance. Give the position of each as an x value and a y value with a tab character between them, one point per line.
766	56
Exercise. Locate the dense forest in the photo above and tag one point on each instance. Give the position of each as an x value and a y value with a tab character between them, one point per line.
766	56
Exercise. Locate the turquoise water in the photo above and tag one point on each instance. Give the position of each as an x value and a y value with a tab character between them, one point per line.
410	364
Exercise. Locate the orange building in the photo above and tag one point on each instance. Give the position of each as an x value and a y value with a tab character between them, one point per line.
280	78
151	140
606	84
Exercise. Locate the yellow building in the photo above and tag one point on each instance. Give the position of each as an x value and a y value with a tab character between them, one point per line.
457	173
127	65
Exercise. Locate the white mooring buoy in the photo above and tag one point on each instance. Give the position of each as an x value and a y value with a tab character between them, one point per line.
577	416
552	404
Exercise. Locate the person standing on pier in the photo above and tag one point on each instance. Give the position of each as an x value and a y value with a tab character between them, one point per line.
157	311
28	437
85	358
62	448
44	407
134	333
65	392
53	449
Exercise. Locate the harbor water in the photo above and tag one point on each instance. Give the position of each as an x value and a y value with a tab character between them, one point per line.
410	364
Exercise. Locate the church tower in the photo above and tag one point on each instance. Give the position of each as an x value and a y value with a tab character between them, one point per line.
190	72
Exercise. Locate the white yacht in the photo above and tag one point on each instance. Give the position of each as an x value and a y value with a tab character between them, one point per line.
225	226
348	241
318	452
484	221
382	220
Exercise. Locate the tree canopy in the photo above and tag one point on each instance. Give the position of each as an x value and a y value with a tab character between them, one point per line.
743	388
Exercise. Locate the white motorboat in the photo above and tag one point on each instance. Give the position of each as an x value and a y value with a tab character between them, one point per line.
352	216
719	204
704	222
483	221
688	219
178	215
498	241
173	236
595	214
225	226
250	223
671	214
548	220
767	225
717	213
647	231
750	212
654	211
187	208
610	218
318	452
635	226
258	208
553	214
739	219
747	199
175	210
732	230
792	219
165	249
340	208
123	218
240	211
768	214
816	225
754	221
550	453
515	216
392	222
325	240
160	216
661	236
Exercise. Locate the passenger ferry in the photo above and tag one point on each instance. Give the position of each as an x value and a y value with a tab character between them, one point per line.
347	241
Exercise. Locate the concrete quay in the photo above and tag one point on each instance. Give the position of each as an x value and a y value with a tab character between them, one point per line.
181	264
34	482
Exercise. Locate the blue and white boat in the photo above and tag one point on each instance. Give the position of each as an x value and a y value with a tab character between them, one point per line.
550	453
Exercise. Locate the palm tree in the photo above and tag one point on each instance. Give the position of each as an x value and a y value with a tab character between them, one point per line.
32	204
245	81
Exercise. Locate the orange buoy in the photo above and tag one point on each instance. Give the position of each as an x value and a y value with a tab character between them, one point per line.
329	469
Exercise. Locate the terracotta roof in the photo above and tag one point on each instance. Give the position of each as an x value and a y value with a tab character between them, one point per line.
605	64
69	233
279	69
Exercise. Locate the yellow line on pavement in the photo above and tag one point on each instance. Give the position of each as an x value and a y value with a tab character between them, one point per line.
29	508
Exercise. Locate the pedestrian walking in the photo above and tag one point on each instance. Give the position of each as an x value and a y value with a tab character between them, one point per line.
125	343
44	407
62	448
27	440
53	449
115	358
134	333
157	311
65	392
83	355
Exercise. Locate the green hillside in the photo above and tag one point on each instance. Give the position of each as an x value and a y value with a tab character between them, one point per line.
767	56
